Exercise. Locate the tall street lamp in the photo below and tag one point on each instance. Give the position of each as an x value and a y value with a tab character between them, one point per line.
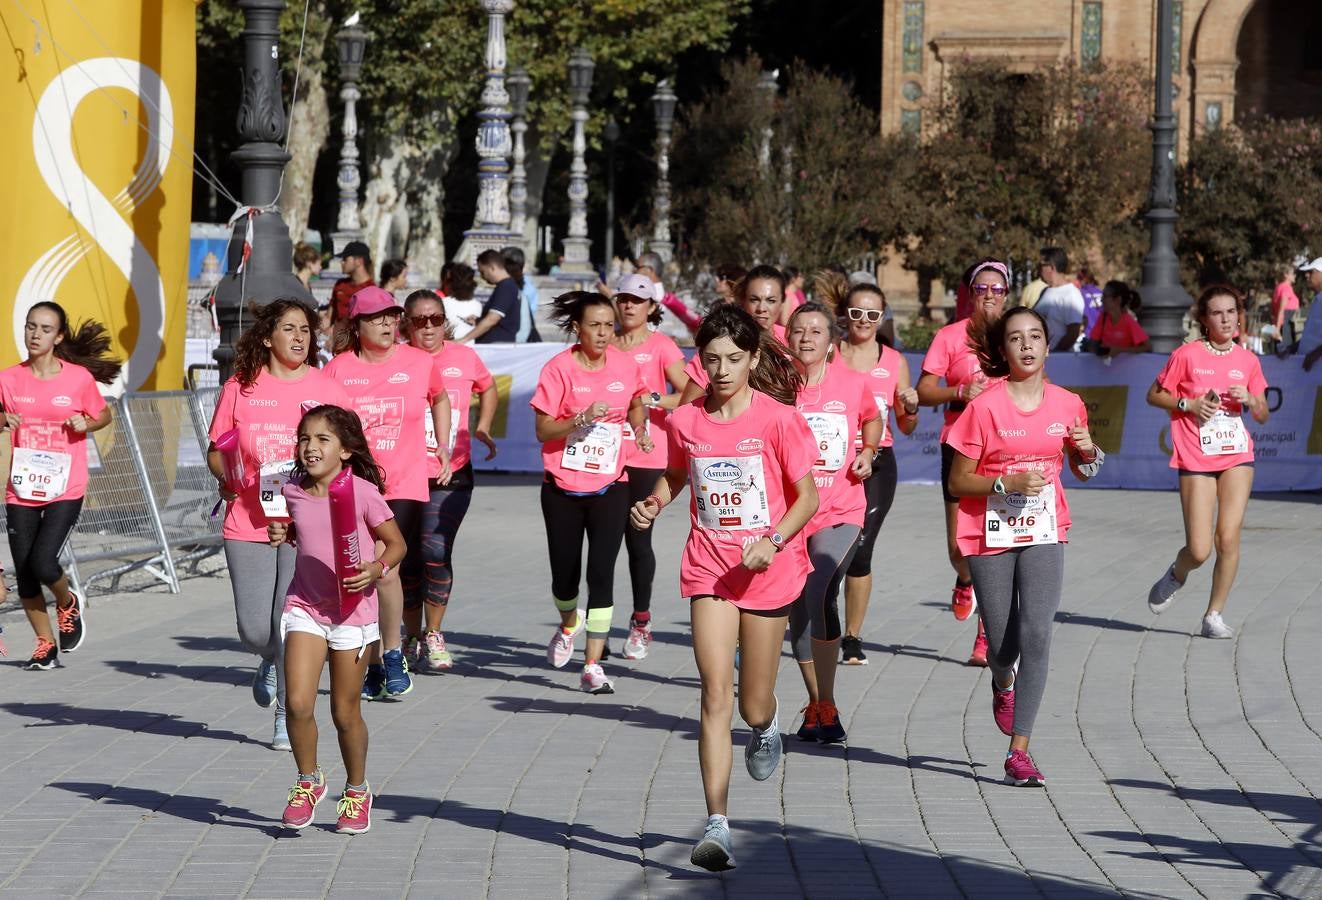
492	230
520	85
352	43
1165	301
612	134
663	107
580	87
259	264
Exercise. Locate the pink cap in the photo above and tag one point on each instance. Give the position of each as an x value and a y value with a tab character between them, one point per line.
371	300
635	285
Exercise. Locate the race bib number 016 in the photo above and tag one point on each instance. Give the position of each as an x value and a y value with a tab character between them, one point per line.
594	448
832	433
730	492
1017	520
40	475
1223	435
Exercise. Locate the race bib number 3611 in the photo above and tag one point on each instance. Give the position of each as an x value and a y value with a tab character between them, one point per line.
730	492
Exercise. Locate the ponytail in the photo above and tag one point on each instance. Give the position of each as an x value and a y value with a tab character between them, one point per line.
88	345
987	340
567	310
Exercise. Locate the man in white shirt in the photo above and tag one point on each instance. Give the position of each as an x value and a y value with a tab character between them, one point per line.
1061	303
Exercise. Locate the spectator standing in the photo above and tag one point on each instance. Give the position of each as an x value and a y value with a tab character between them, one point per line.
650	266
1310	342
514	263
458	283
356	264
1086	282
501	314
1061	304
1117	330
1285	303
307	263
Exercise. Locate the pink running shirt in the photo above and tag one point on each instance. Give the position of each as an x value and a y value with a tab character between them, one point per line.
740	472
951	358
883	382
835	410
464	374
45	405
267	415
1192	371
315	589
1124	333
1007	441
391	399
653	356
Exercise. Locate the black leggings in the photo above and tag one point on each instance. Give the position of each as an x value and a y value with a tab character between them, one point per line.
642	561
441	518
880	493
36	534
408	516
602	518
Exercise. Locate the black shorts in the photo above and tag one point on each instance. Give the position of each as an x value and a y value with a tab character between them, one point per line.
1184	472
947	460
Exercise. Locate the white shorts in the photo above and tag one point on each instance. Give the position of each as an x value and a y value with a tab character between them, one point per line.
337	637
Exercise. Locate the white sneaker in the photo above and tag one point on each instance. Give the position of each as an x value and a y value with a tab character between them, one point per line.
640	636
594	680
1163	592
762	753
1213	627
561	648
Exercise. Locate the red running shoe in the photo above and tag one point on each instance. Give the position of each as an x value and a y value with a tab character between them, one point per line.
1020	771
979	655
303	799
962	601
355	811
1003	708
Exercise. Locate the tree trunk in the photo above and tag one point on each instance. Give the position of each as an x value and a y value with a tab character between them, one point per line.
309	127
404	203
381	197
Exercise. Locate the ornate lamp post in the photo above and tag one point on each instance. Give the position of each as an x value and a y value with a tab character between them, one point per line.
768	83
663	106
580	87
1165	300
258	267
352	42
492	230
612	134
519	87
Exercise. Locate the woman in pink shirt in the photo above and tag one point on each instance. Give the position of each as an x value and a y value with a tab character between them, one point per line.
1285	303
585	397
762	296
428	576
837	403
1117	331
662	366
275	379
794	295
392	386
747	456
51	404
951	358
1207	386
1010	445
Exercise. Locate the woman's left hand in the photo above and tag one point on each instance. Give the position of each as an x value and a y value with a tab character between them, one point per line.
644	442
443	454
485	438
862	467
908	400
759	554
1241	395
1082	440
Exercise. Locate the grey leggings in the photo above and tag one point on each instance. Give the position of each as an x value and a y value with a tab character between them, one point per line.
1018	595
815	615
260	576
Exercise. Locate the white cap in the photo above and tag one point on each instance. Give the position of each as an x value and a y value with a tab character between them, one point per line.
1314	266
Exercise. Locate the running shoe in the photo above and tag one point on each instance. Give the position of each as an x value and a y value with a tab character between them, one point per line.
303	799
73	628
851	651
398	682
280	734
829	729
1003	708
1020	771
434	652
1214	627
45	656
1163	592
736	654
594	680
374	683
413	651
561	648
714	852
978	656
640	636
963	601
762	753
263	684
355	811
808	730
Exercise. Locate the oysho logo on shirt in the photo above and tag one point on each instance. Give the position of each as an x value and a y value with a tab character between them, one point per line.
1056	429
1011	432
349	381
18	399
451	372
833	406
582	389
398	378
255	401
697	448
615	387
749	445
1237	374
61	400
1204	371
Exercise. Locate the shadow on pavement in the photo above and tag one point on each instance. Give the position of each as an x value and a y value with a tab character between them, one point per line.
642	716
211	642
1065	617
134	720
206	810
208	674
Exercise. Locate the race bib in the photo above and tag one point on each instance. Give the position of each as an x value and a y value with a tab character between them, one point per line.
39	475
594	448
832	433
730	492
1017	520
885	420
1223	435
274	477
430	425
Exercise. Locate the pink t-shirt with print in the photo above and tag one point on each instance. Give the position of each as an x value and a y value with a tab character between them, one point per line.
1004	440
45	405
592	457
464	374
740	472
391	399
883	382
1192	371
950	357
267	414
653	356
835	410
315	589
1124	332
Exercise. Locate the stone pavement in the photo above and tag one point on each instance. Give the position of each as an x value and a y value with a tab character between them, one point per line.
1177	766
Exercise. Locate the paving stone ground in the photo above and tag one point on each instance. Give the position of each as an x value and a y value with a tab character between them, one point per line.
1177	766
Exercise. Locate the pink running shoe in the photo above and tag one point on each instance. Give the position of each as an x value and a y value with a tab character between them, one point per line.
1020	771
355	810
561	647
640	637
303	799
978	657
1003	708
962	601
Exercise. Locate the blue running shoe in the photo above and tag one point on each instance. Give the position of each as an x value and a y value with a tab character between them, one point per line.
263	684
398	682
374	683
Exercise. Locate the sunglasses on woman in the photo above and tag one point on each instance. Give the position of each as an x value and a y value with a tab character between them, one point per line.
863	315
435	321
997	290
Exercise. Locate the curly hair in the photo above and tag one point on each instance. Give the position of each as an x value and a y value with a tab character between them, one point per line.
251	353
88	345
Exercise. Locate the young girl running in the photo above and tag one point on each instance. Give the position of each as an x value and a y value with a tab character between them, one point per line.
660	361
317	621
837	403
887	373
1013	521
51	403
583	398
428	586
1206	387
748	456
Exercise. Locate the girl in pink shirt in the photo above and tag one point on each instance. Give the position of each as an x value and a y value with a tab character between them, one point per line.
1013	521
318	622
428	586
275	379
951	357
585	396
837	403
1117	331
762	295
51	404
1207	386
748	458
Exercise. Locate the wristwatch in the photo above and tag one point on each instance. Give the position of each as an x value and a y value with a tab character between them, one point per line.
1182	405
777	541
998	486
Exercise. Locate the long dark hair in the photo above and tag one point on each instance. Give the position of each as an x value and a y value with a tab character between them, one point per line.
458	280
775	374
344	425
987	339
88	345
251	355
569	307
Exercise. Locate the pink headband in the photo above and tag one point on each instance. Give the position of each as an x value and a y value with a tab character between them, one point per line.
995	267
